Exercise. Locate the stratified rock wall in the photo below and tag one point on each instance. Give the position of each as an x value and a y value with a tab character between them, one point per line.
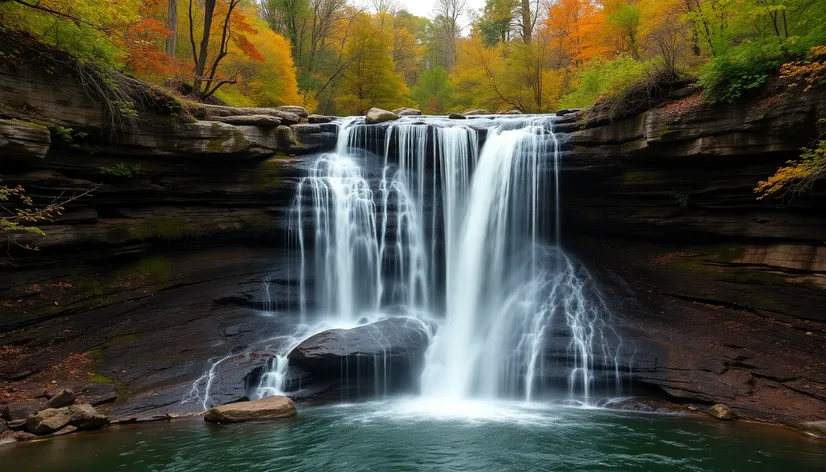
724	294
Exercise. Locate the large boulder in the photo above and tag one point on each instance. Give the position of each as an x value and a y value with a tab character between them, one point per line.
62	398
377	115
379	357
407	111
20	410
457	116
265	409
86	417
48	421
26	140
478	111
235	378
722	412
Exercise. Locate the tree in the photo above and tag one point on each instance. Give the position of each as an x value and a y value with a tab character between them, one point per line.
433	92
172	38
370	79
497	21
447	17
19	215
233	28
575	27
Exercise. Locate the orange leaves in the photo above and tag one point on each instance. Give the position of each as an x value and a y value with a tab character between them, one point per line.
142	54
810	72
577	26
248	48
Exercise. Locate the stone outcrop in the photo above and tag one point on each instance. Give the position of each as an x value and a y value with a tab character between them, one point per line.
377	115
720	293
261	121
86	417
20	411
63	398
48	421
386	356
478	111
265	409
722	412
24	140
407	111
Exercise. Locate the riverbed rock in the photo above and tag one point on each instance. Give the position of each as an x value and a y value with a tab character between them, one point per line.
377	115
386	355
509	112
477	111
24	436
722	412
69	429
49	420
86	417
7	437
406	111
262	121
457	116
63	398
3	426
20	410
266	409
16	424
815	429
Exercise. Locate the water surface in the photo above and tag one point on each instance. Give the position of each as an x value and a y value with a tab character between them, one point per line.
421	435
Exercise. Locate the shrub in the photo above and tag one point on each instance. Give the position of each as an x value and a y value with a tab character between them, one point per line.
121	170
601	78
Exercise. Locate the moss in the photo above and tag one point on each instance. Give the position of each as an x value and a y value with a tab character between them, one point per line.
216	145
633	146
641	177
761	277
269	175
157	268
258	222
166	227
102	379
30	124
240	142
664	130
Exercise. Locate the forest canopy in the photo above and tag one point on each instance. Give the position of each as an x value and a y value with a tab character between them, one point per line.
343	57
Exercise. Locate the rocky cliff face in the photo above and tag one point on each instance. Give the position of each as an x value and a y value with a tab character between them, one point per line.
151	288
169	261
723	294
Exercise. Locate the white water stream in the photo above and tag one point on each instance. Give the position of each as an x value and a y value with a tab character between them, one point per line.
440	229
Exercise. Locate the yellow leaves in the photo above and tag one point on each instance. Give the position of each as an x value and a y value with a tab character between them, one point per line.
796	177
810	72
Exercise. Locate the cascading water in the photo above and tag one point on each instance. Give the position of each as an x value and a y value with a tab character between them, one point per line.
438	225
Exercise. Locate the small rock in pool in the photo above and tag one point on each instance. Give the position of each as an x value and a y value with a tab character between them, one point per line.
722	412
266	409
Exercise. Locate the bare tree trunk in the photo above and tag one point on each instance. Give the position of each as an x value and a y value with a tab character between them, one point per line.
527	25
172	39
200	64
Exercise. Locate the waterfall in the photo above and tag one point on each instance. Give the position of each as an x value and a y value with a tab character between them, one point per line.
415	218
